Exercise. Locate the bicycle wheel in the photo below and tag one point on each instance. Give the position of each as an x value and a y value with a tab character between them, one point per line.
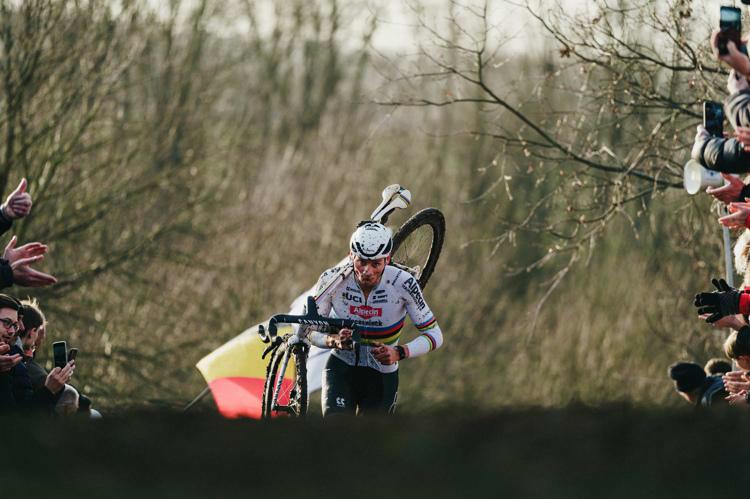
417	244
292	398
270	383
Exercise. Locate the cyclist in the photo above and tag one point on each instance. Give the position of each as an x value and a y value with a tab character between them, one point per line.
378	296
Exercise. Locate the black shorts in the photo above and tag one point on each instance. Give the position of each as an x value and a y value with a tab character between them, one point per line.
357	390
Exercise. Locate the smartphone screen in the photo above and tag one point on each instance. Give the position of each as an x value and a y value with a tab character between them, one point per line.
60	353
730	25
72	353
713	118
730	18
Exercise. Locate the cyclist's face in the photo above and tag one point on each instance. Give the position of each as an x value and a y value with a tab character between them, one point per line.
368	272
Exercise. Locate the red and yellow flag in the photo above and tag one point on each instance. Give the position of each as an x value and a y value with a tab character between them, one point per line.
235	373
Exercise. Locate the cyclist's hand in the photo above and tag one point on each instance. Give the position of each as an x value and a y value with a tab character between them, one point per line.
342	341
384	354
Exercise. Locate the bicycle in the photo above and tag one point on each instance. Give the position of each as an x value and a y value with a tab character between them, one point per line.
416	249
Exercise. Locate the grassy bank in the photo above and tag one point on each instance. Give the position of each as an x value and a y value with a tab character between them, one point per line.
617	451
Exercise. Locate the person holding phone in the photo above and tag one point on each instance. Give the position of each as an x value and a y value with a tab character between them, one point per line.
33	337
728	154
726	43
16	389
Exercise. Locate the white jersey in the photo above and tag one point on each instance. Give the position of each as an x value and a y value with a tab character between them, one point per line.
381	315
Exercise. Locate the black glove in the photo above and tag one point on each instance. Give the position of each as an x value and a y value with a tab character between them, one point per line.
725	301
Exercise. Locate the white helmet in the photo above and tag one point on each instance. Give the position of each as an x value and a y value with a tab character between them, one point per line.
371	240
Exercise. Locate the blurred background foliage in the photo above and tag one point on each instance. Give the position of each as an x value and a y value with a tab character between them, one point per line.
196	164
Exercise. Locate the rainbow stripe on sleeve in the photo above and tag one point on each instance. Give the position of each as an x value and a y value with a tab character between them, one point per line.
424	328
428	324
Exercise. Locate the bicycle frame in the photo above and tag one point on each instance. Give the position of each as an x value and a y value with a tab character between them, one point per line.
311	318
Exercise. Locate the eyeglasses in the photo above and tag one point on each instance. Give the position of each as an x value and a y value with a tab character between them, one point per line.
9	324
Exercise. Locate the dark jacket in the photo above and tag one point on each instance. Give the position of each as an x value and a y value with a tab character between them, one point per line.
6	392
37	373
727	155
712	391
24	395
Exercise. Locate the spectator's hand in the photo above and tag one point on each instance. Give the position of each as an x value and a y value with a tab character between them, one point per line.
725	301
29	250
738	399
735	382
730	191
20	260
384	354
743	136
18	203
57	377
737	376
701	134
7	362
342	340
732	321
738	215
735	58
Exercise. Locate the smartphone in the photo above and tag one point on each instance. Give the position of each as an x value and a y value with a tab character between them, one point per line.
72	354
730	27
60	353
713	118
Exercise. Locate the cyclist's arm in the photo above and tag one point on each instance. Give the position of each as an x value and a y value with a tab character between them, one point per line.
431	337
325	304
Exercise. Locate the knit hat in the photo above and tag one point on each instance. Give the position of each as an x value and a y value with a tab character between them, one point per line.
687	376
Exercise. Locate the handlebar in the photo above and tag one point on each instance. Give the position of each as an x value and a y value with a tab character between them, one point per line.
311	318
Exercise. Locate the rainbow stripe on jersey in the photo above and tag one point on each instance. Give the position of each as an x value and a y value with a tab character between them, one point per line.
387	334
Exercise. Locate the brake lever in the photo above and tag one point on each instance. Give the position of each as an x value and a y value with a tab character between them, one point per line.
273	346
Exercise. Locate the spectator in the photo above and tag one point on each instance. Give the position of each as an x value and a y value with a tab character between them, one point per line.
33	335
694	386
717	366
737	347
728	154
22	395
8	359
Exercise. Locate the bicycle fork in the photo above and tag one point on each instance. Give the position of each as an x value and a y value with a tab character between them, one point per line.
290	345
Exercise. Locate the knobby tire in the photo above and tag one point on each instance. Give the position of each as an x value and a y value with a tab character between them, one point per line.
433	218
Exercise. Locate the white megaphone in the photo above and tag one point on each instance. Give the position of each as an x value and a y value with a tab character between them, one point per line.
696	177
